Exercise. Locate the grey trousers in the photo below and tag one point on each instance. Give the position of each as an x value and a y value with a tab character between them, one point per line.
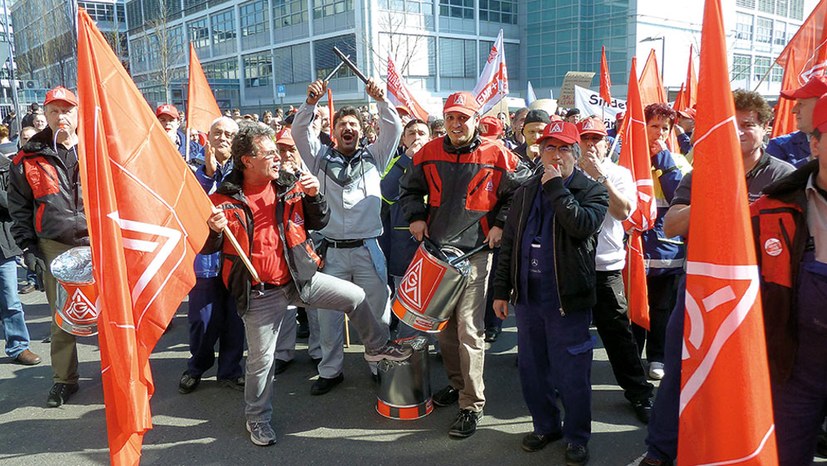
263	322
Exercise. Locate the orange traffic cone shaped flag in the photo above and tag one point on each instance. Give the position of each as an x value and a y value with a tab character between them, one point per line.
605	79
652	91
691	83
202	109
680	100
725	409
784	118
634	155
147	218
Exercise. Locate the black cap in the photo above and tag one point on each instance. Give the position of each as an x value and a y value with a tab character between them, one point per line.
572	112
537	116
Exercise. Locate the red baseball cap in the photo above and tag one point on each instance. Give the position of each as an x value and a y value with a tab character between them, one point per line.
401	109
562	131
820	114
688	113
285	137
491	127
592	125
462	102
620	116
814	88
167	109
61	94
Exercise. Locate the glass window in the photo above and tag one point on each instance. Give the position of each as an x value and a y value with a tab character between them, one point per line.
326	59
743	26
135	17
746	4
103	11
740	66
225	69
498	11
291	64
253	18
797	9
199	32
425	7
763	30
761	67
223	27
258	69
289	12
322	8
767	6
777	74
457	8
782	7
457	58
780	33
191	6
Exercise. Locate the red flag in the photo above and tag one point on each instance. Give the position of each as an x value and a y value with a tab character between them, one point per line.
680	100
634	155
147	218
202	109
399	95
726	414
784	119
652	91
691	83
330	110
605	79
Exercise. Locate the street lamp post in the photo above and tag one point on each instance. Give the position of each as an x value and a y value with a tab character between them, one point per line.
662	40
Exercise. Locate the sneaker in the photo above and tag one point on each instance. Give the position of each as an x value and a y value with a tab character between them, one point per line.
466	424
821	446
281	366
535	442
236	383
28	288
656	370
188	383
446	397
60	393
323	385
576	455
261	433
392	351
643	410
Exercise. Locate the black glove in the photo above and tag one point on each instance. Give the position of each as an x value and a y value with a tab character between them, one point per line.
34	260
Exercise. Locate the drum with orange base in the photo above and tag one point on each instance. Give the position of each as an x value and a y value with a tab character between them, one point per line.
77	311
405	386
431	287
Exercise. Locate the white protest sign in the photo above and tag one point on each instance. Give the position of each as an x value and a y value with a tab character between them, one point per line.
590	103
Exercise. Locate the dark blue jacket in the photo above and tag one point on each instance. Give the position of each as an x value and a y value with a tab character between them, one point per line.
793	148
209	265
396	240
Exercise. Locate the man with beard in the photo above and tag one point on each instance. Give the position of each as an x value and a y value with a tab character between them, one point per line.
350	176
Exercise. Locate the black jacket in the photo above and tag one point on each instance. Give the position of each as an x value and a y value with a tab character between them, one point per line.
45	197
296	213
8	247
578	213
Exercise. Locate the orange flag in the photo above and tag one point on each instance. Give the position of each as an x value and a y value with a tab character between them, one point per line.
634	155
680	100
784	118
726	414
691	82
330	109
652	91
605	79
147	218
202	109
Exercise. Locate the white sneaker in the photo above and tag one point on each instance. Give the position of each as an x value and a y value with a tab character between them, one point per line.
656	370
261	433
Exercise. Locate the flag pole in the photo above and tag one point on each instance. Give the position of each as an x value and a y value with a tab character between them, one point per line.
241	254
763	78
187	142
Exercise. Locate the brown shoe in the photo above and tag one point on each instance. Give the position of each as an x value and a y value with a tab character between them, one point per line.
27	358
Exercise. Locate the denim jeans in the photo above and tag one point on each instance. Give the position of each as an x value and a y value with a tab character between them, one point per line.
11	311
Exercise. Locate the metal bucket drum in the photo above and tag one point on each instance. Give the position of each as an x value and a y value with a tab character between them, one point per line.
77	311
405	386
431	287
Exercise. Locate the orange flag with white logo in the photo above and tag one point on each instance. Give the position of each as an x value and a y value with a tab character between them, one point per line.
784	119
146	215
202	109
726	414
634	155
605	79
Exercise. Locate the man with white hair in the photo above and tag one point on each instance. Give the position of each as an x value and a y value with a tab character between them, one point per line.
212	313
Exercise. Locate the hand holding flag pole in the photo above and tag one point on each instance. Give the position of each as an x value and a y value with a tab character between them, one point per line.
218	222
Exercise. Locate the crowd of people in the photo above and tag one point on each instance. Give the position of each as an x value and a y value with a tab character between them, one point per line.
330	210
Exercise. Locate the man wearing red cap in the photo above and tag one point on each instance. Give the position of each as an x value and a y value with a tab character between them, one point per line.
684	128
491	128
795	147
610	312
547	269
790	228
46	205
468	181
170	119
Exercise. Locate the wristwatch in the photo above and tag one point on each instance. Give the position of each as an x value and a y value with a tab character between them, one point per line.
601	179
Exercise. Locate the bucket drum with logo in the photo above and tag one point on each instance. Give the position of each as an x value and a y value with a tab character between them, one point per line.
431	287
405	386
77	295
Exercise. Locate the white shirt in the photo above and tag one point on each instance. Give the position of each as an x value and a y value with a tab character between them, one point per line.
611	253
817	219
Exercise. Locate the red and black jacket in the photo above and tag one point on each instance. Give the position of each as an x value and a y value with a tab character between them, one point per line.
468	189
296	213
779	222
45	197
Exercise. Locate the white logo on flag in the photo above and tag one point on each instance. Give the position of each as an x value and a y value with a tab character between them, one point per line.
410	284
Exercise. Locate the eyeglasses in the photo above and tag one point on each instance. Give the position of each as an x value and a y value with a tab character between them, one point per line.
268	155
226	134
562	149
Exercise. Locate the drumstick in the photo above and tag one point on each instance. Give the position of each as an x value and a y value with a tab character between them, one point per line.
330	75
351	65
468	254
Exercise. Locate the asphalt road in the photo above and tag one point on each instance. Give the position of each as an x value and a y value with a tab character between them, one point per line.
207	426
